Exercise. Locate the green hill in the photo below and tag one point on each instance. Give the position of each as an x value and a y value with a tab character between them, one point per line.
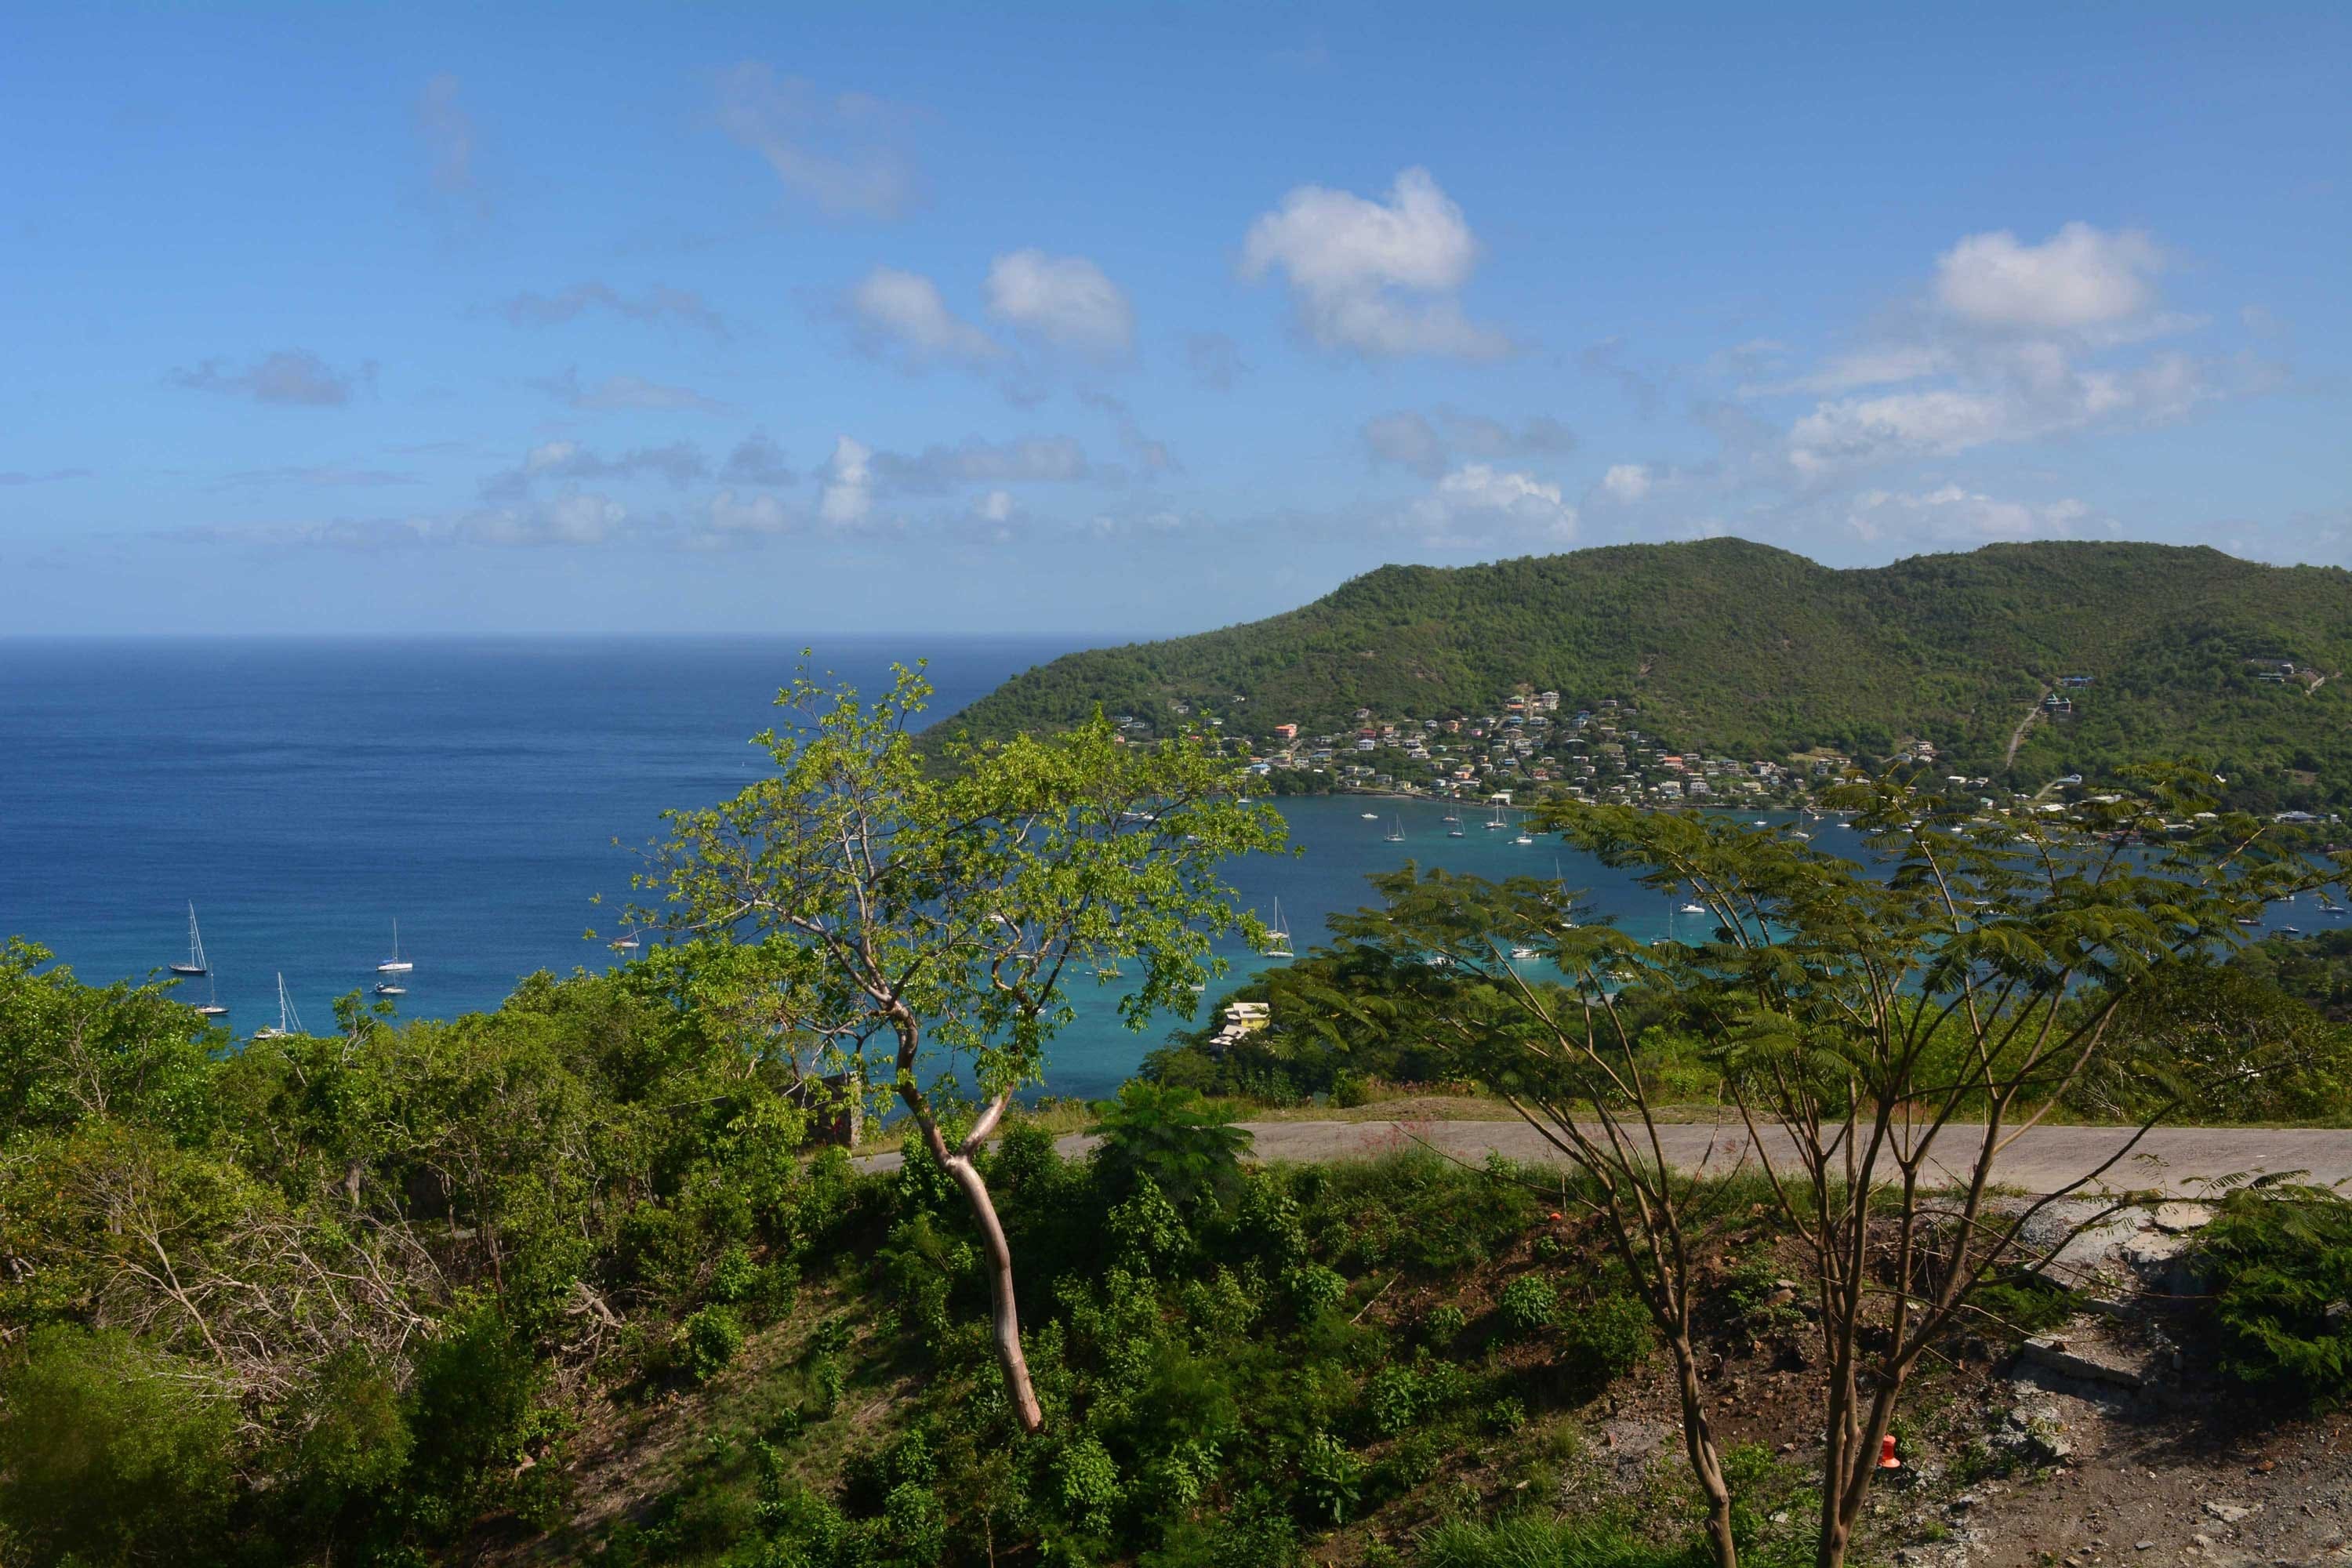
1756	652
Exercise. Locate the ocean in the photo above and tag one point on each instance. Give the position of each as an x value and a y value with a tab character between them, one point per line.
304	796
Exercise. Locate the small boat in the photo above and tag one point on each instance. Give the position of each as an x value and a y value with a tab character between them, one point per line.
290	1023
1497	821
1396	830
1449	817
1523	837
2290	930
1371	816
1759	822
395	964
1277	935
1522	954
1692	909
197	963
1455	832
389	988
627	940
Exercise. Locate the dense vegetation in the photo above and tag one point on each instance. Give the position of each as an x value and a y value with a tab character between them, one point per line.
378	1298
1753	651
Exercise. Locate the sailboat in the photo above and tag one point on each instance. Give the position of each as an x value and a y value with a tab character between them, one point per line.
212	1008
625	942
1523	837
395	964
197	963
289	1021
1277	935
1396	829
1496	819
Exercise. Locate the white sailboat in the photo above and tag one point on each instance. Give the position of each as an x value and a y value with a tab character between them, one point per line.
290	1023
1277	935
395	964
1495	820
197	963
1523	837
1396	829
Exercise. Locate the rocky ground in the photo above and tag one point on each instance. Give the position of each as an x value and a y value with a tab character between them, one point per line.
2111	1440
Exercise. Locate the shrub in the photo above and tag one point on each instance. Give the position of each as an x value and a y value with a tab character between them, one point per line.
709	1340
1503	1417
1330	1477
1172	1137
1528	1304
2281	1261
1444	1325
1089	1485
107	1454
1608	1336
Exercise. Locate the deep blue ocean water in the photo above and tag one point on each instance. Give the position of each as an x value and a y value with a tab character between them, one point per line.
306	794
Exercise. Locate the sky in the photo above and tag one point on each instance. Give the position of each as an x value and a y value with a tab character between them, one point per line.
1110	322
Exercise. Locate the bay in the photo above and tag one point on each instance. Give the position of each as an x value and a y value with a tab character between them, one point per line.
305	795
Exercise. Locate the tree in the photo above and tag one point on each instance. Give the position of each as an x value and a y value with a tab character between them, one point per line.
1886	1028
901	911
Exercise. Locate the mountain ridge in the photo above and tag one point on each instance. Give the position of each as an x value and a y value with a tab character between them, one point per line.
1753	651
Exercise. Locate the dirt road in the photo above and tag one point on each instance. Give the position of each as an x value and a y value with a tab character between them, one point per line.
2170	1160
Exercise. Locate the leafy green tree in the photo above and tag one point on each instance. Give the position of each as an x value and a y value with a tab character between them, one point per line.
1171	1137
1885	1032
903	913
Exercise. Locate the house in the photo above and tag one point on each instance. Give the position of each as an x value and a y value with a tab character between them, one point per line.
1286	731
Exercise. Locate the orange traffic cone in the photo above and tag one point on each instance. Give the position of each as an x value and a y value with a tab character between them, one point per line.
1887	1459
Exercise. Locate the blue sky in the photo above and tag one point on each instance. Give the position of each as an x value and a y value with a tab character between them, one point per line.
1120	320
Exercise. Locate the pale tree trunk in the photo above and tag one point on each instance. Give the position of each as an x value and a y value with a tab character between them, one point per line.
1698	1443
1004	1309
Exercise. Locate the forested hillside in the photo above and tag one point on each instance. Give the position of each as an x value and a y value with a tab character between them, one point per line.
1755	652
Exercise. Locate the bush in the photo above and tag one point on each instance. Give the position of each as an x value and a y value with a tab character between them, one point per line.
2281	1261
709	1339
1608	1336
1172	1137
1330	1477
107	1454
1529	1305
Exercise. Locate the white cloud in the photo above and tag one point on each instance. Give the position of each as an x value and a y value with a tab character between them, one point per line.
1478	502
1031	459
996	506
844	152
1063	301
740	515
1626	482
847	497
1954	515
1372	277
2034	391
904	310
2080	277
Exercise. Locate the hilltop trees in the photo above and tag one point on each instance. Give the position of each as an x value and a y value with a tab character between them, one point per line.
1884	1032
901	924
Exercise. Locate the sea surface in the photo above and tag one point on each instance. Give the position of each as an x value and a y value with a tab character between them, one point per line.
304	796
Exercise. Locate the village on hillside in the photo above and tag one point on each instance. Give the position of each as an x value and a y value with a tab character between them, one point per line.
1533	748
1528	750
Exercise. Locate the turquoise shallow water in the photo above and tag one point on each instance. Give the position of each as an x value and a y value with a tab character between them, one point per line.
307	794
